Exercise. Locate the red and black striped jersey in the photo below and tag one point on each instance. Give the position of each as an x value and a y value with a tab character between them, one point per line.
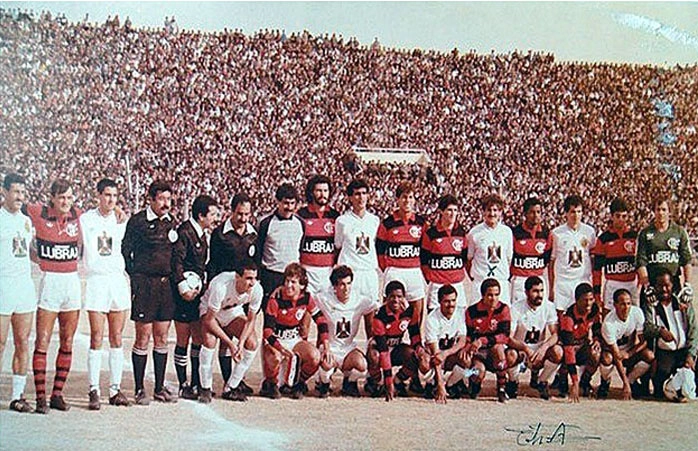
317	244
58	238
283	318
388	330
577	329
532	249
397	241
614	256
490	327
443	254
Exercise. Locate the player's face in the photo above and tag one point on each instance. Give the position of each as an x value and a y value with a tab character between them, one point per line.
661	212
246	281
585	302
448	304
406	202
63	201
292	287
241	215
359	199
574	215
534	215
395	300
534	296
343	288
210	221
619	219
622	306
107	199
491	297
663	287
321	194
161	203
449	215
287	207
493	214
14	197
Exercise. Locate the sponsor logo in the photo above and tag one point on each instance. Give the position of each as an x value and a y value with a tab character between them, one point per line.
528	263
664	257
58	252
446	263
403	251
318	247
620	268
650	235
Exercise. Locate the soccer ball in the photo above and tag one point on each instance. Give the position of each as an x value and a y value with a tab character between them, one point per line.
193	281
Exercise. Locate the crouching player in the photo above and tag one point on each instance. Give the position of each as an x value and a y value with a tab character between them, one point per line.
283	319
343	310
534	335
580	326
447	345
386	349
624	346
488	324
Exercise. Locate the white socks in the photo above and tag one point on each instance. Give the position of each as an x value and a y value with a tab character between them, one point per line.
116	369
206	367
94	367
457	375
19	381
605	372
241	367
549	368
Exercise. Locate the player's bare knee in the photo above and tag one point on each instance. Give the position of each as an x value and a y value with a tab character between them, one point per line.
555	354
606	358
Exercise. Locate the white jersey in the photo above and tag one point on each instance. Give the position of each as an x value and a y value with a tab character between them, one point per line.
222	295
442	330
15	237
343	320
529	325
491	250
101	238
616	331
571	252
356	239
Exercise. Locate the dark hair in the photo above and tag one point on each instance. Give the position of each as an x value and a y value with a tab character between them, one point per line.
339	273
11	179
59	186
247	264
404	188
158	186
239	198
286	191
201	206
620	292
445	290
313	182
492	199
104	184
446	201
394	285
661	272
530	203
532	282
618	204
573	201
356	184
296	270
582	289
487	284
660	199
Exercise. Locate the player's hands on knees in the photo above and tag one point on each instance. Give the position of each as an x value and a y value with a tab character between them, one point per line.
440	394
285	353
233	349
574	392
326	356
237	355
190	295
438	359
627	393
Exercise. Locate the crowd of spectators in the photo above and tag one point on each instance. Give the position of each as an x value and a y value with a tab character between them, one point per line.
223	112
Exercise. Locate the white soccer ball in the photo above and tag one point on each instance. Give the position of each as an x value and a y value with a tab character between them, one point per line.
193	281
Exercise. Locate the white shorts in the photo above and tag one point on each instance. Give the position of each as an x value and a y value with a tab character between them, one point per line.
340	353
518	289
17	295
60	292
411	278
612	285
318	279
564	293
433	295
107	293
367	286
225	317
504	294
290	343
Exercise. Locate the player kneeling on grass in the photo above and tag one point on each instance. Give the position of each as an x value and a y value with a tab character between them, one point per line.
229	309
282	334
534	335
489	324
343	310
624	346
448	347
386	348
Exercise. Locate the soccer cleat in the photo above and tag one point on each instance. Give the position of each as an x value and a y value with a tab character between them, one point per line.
401	390
602	392
187	392
285	390
543	390
351	389
457	390
637	390
119	399
234	394
429	391
585	387
556	382
165	395
205	395
299	390
246	389
680	398
372	388
563	387
21	405
323	390
534	380
475	388
94	403
416	386
141	398
502	395
270	390
41	406
58	403
512	389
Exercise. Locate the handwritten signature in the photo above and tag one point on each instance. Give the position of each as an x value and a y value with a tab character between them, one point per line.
540	434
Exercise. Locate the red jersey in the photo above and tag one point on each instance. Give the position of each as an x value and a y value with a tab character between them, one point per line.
489	327
388	330
532	249
443	254
614	256
317	244
58	238
576	330
283	317
397	241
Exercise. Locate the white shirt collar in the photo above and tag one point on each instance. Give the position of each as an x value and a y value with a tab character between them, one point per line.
151	216
228	226
197	227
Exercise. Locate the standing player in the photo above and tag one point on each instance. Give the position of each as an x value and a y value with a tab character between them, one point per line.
343	311
614	258
58	246
443	254
490	249
229	309
317	247
107	292
531	250
571	258
355	237
535	335
17	292
189	256
147	250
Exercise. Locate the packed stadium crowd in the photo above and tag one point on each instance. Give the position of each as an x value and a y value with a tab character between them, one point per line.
225	112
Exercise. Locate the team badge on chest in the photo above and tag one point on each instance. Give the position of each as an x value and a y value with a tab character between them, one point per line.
104	244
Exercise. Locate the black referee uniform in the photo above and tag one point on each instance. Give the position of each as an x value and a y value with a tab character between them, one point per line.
189	254
230	250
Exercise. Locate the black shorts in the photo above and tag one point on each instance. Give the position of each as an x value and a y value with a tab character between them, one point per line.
186	311
151	298
270	281
484	355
